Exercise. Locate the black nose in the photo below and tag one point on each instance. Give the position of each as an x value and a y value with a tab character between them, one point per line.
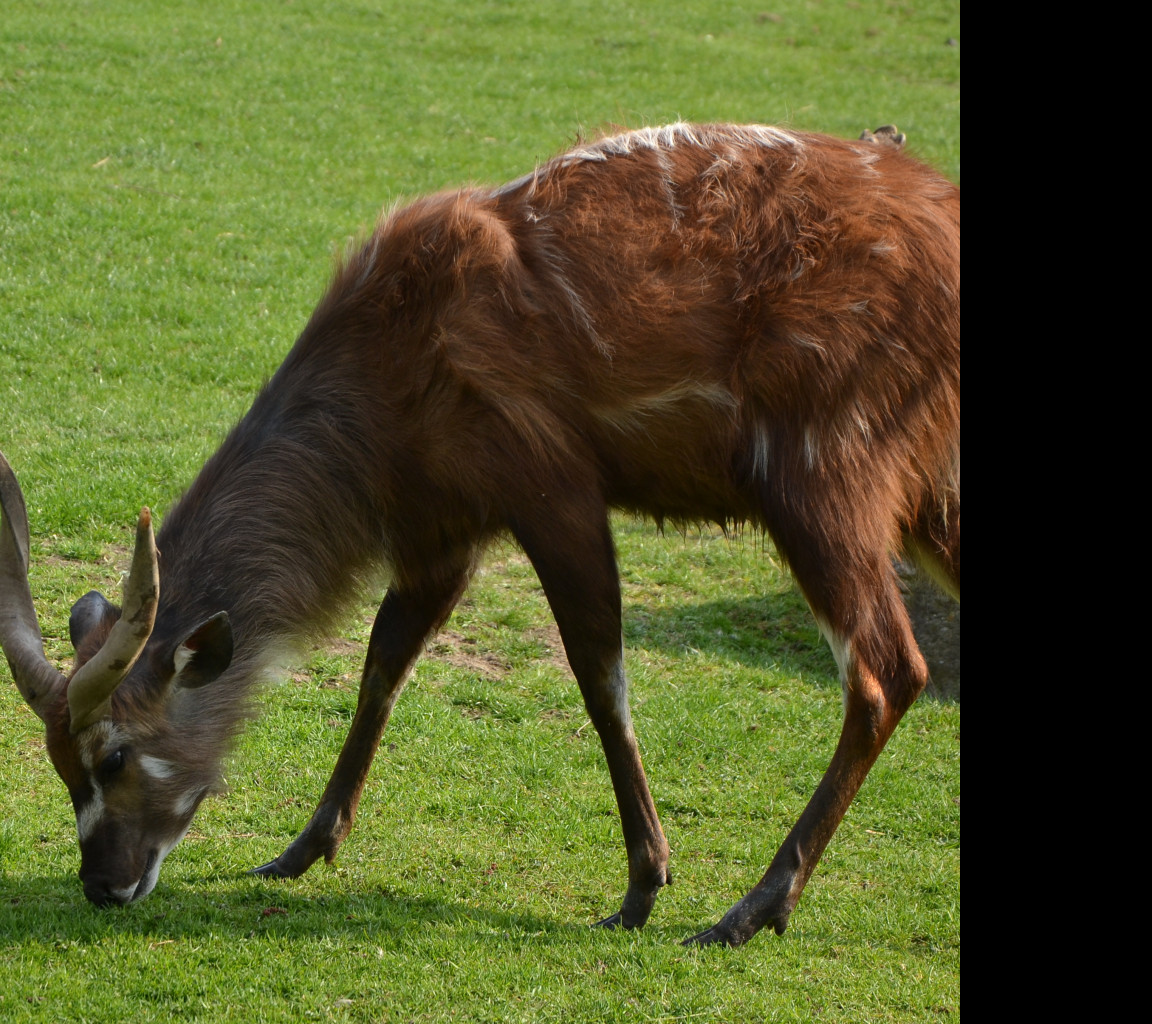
100	892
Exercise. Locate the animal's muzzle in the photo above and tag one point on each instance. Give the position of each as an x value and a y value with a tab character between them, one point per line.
102	891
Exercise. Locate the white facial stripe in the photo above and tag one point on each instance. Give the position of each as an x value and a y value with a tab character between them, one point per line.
91	814
186	804
148	880
157	768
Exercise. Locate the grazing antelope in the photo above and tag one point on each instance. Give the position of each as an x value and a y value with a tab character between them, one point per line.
731	323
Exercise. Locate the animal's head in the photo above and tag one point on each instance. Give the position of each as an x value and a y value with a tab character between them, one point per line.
117	727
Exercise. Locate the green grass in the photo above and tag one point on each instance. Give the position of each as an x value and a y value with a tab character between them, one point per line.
174	180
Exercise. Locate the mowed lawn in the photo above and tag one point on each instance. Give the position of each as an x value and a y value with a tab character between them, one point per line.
175	181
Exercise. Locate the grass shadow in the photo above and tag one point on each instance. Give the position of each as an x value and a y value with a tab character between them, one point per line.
773	632
52	911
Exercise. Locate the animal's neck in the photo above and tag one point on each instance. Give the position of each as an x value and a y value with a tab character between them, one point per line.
261	535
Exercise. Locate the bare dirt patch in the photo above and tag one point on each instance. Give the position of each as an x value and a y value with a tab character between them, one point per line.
549	637
468	653
343	648
464	652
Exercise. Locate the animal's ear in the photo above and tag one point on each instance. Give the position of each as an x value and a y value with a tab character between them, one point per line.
91	615
204	653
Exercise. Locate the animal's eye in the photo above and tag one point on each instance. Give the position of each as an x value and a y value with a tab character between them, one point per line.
112	763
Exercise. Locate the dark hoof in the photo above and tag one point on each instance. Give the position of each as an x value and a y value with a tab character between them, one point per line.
734	929
271	870
615	921
710	937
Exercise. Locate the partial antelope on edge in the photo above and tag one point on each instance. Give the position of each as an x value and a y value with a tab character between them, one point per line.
733	323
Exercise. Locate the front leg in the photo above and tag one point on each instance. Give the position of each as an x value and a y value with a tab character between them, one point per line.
405	620
570	546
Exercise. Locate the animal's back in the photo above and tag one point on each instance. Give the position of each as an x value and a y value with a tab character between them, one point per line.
705	314
741	304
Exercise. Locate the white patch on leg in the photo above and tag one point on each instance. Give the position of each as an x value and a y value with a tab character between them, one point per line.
841	651
617	687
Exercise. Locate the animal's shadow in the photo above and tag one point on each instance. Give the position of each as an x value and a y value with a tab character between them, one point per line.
773	632
199	907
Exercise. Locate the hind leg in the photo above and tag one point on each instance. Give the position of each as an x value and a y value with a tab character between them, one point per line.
933	542
858	605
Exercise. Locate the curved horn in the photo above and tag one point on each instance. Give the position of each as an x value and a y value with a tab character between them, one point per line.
91	688
37	680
